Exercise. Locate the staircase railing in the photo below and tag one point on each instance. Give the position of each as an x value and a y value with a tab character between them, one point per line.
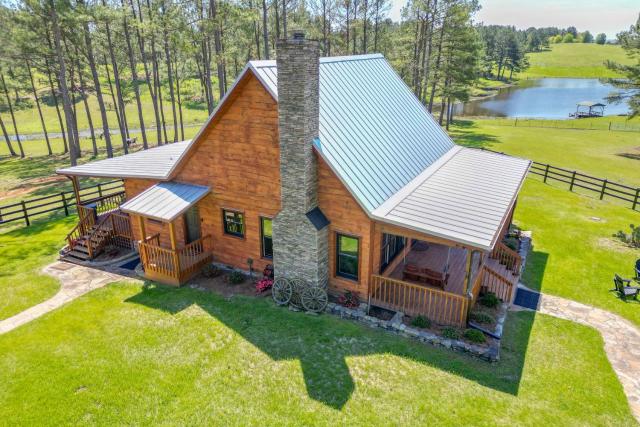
81	229
508	257
496	283
97	235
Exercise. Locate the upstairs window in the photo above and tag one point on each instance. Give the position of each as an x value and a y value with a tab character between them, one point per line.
233	223
347	256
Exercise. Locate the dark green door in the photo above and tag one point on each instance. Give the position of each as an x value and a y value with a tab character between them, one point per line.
192	223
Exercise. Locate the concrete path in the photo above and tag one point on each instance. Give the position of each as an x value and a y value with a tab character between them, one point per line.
621	340
75	281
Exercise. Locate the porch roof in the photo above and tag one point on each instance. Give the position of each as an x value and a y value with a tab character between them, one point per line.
465	197
154	163
165	201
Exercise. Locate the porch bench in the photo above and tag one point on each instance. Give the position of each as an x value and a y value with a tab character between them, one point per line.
425	275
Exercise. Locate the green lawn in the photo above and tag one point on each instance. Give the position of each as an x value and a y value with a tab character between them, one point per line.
134	354
602	154
585	60
24	252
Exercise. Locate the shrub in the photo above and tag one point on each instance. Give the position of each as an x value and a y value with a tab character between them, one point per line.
489	300
263	285
512	243
349	300
474	335
210	271
421	322
481	317
235	277
632	239
450	333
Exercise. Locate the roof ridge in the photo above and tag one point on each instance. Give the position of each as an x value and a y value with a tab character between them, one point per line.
267	63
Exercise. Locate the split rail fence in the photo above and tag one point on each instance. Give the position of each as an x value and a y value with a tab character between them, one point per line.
65	201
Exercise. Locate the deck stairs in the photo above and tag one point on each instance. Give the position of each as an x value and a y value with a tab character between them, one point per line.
502	270
87	245
506	263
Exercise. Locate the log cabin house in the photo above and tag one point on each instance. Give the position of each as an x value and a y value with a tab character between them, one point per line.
331	170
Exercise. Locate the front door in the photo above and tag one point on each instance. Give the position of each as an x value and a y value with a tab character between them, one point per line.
192	224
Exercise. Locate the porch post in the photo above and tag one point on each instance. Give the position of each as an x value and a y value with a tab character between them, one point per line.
172	234
174	247
143	233
468	270
76	192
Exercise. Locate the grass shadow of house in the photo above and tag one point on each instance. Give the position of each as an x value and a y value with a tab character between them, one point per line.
463	133
323	344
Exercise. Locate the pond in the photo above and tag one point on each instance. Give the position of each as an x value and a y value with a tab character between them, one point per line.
543	98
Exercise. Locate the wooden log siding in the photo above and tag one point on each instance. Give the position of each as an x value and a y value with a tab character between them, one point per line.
439	306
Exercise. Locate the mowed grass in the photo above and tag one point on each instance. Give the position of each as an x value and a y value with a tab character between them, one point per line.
603	154
147	355
574	252
584	60
24	252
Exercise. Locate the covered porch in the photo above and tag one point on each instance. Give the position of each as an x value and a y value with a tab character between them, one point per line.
166	220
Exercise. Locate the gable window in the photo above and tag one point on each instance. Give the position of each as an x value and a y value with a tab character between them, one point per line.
347	256
233	223
392	245
266	235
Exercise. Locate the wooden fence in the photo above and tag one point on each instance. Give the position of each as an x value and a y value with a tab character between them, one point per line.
64	201
581	124
574	179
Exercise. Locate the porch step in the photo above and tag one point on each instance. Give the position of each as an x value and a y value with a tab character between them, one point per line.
500	269
82	256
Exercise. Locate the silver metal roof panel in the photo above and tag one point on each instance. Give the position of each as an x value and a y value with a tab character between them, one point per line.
165	201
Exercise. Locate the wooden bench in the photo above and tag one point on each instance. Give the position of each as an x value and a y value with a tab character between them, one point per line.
425	275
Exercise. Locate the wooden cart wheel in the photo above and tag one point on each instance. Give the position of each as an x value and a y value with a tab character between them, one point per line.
314	299
298	286
282	291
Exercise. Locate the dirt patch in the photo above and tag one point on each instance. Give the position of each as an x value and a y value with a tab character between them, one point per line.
613	244
30	185
221	286
633	154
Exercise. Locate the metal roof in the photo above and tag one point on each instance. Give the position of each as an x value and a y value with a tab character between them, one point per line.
465	197
374	133
154	163
165	201
591	104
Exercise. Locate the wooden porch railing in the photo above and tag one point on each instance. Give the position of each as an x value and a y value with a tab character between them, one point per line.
80	230
108	203
508	257
122	234
494	282
174	266
440	306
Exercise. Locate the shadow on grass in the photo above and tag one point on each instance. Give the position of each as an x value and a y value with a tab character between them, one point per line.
464	133
323	343
534	271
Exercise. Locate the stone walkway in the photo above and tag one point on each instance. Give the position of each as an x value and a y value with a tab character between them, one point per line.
621	340
75	281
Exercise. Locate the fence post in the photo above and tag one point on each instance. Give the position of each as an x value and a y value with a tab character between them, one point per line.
604	188
573	179
64	203
546	173
516	125
635	200
26	214
100	190
609	125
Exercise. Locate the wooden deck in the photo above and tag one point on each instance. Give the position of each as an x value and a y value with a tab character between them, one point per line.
434	257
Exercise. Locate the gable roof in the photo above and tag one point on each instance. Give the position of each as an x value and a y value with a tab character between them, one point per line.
154	163
374	133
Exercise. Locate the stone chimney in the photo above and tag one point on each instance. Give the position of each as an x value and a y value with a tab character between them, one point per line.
300	232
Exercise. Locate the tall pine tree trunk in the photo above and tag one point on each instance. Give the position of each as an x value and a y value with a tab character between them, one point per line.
265	29
85	101
57	104
167	55
62	78
13	117
134	76
37	99
12	152
97	86
217	46
116	109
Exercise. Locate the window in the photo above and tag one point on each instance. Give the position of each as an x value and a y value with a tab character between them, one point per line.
392	245
233	223
266	234
347	254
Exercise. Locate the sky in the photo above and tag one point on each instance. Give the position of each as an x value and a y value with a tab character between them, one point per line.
597	16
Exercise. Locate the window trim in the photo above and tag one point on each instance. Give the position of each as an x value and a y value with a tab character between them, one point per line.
262	254
337	271
224	223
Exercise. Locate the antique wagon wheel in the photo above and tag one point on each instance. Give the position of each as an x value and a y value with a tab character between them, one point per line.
314	299
298	286
281	291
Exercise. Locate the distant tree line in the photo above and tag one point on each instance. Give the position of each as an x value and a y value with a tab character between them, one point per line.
629	85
